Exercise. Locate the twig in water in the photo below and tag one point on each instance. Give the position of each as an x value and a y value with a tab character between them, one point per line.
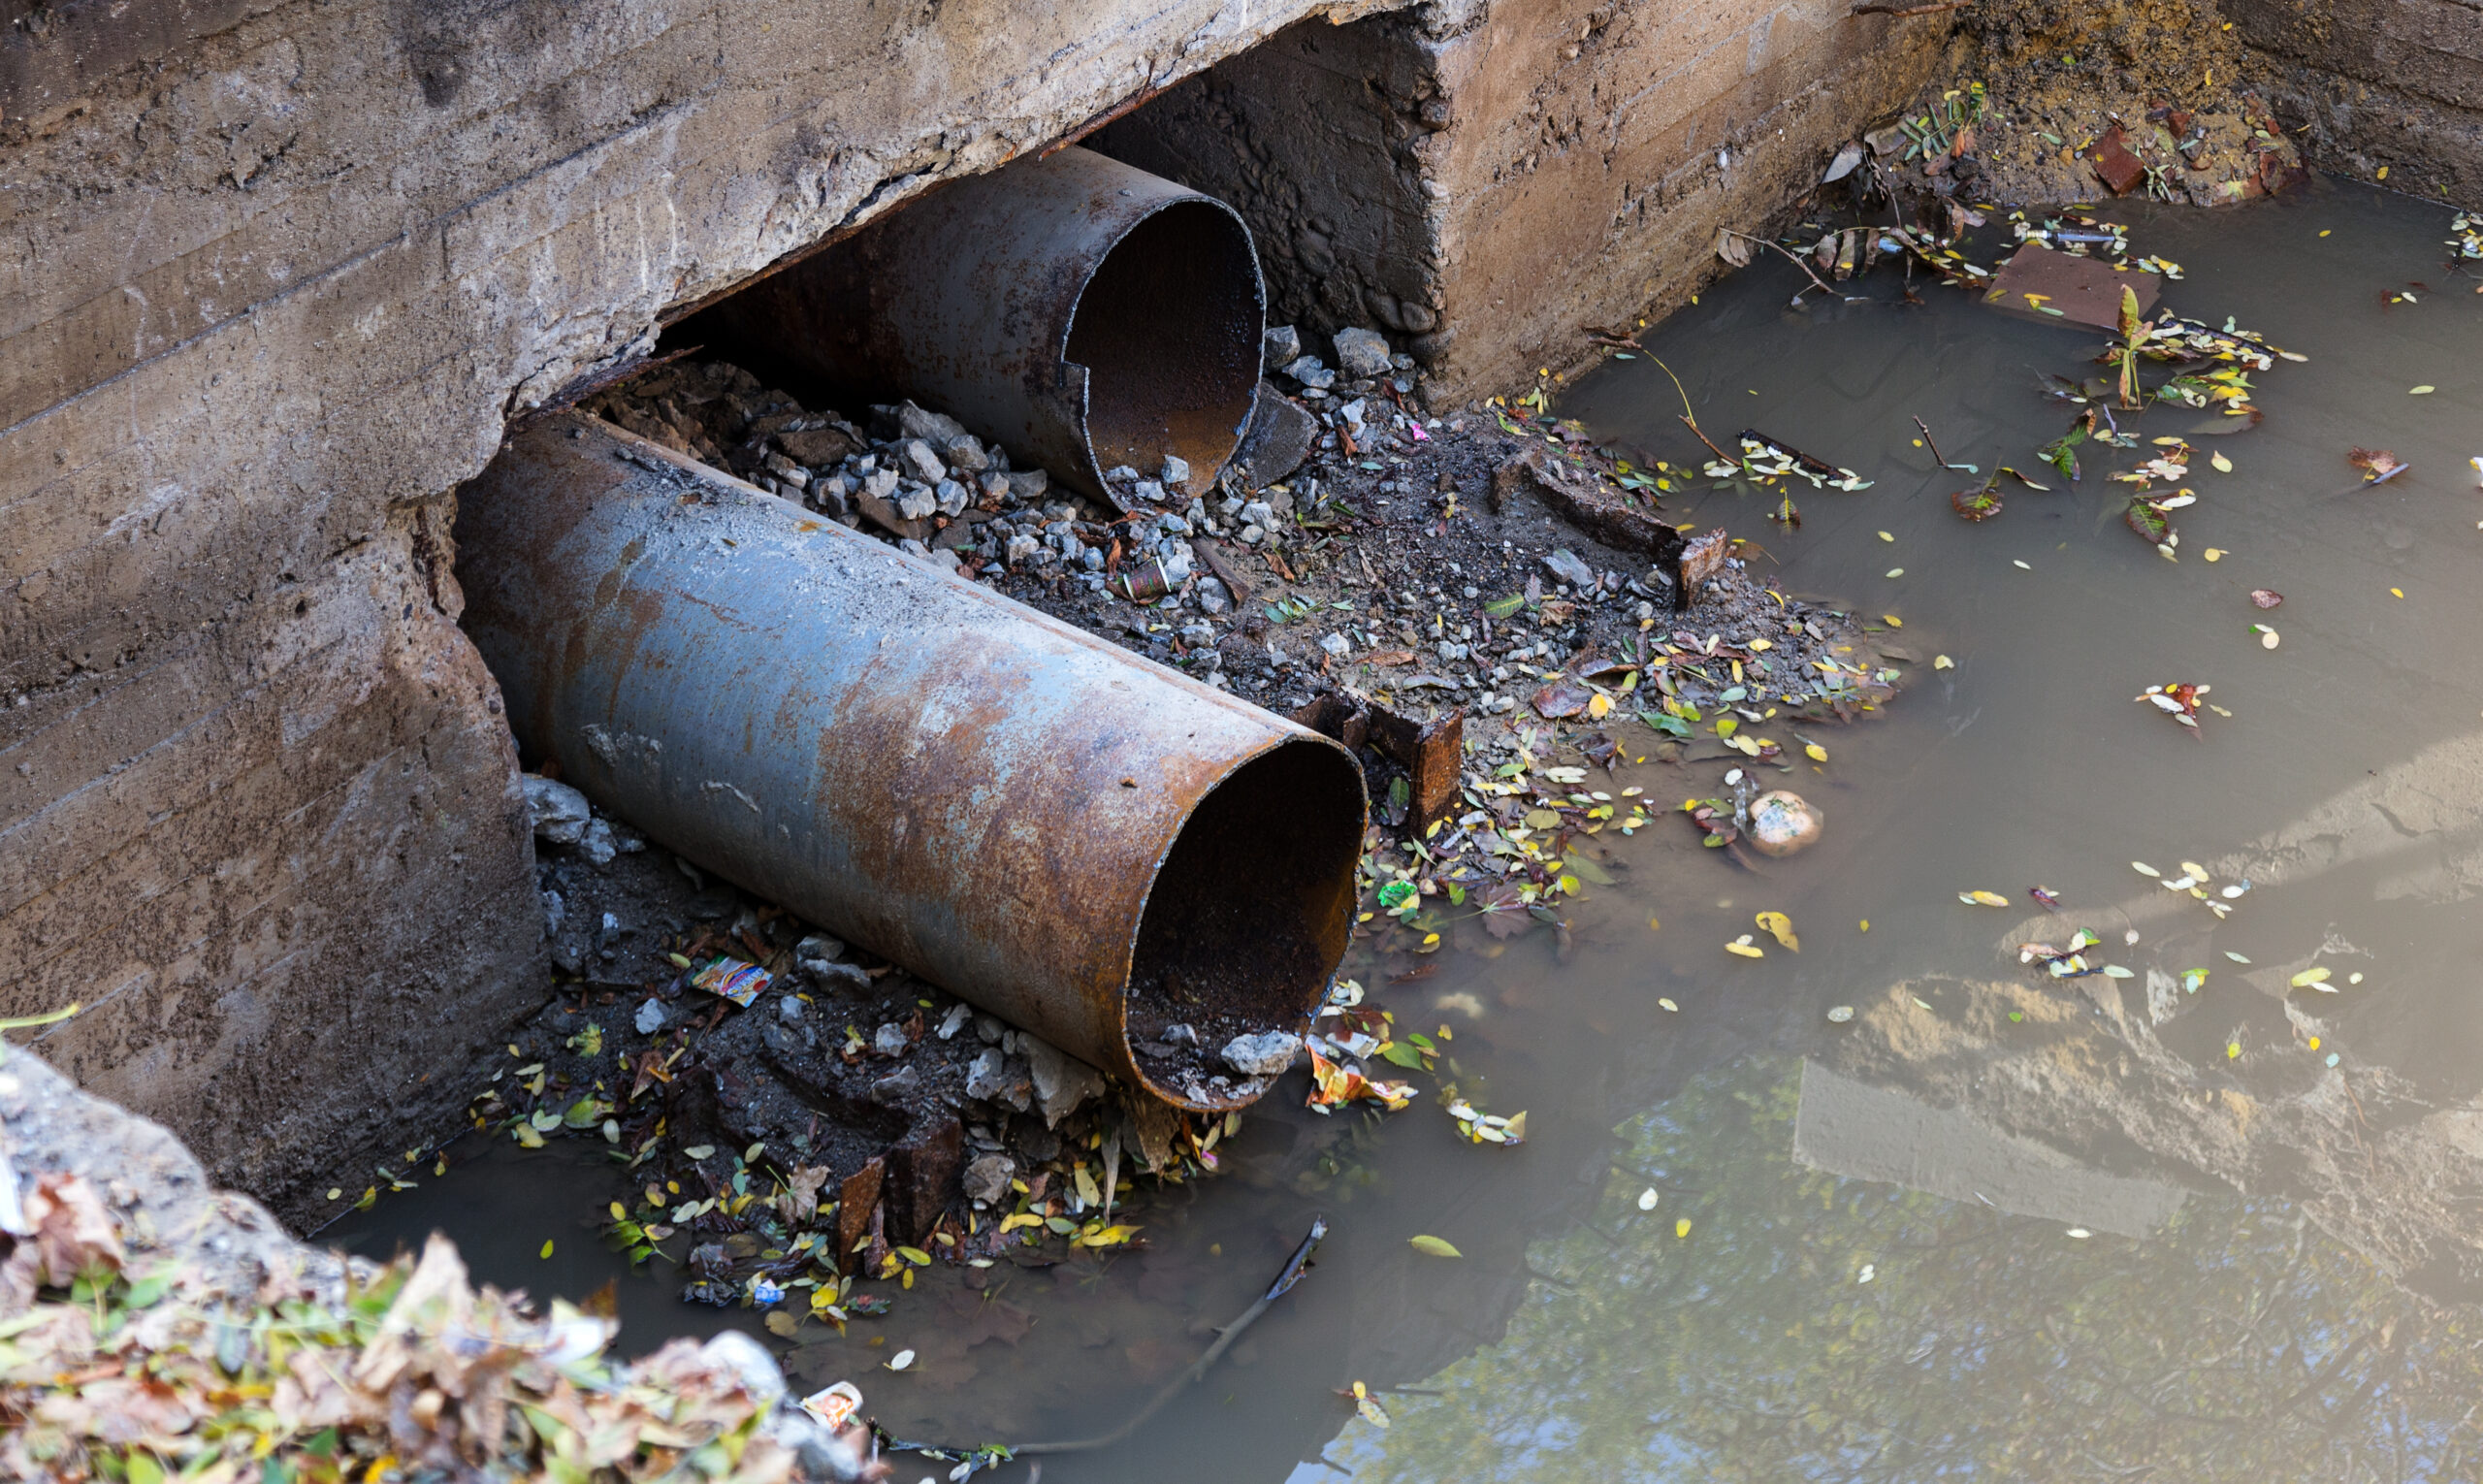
1291	1274
1689	419
1937	454
1790	257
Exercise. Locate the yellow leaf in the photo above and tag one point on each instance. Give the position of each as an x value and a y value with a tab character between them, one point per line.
1435	1247
916	1256
2223	465
1681	1228
1023	1218
1781	927
2423	391
1984	898
2214	554
527	1137
618	1214
1814	751
782	1324
1745	947
1892	620
547	1249
1944	662
1599	706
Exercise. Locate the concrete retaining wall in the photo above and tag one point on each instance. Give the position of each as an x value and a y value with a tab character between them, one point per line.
277	274
2381	83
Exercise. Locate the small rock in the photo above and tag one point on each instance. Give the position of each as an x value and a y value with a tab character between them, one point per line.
1567	566
988	1030
986	1179
1176	473
1781	822
954	1019
554	912
951	497
1029	484
850	975
650	1018
818	946
1260	513
1338	645
897	1085
1120	473
1181	1034
914	422
1062	1081
558	812
597	844
1362	354
995	1078
789	1008
1280	345
1211	597
1021	550
1310	373
1265	1055
890	1039
915	458
963	452
1252	535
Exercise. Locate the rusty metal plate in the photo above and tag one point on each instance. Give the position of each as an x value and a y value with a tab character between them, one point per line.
2084	291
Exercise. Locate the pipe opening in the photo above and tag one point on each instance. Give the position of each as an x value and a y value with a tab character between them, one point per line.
1168	329
1247	916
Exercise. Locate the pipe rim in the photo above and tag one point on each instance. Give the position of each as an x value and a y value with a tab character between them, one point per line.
1322	902
1206	444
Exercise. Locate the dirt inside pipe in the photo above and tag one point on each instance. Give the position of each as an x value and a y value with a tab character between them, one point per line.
1168	329
1246	918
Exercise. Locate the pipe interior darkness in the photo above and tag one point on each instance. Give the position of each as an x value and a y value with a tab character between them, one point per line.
1168	329
1251	909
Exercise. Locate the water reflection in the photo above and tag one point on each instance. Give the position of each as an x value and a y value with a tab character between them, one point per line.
1811	1326
2281	1250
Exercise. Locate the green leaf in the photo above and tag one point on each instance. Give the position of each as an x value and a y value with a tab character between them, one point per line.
1403	1055
1503	607
1435	1247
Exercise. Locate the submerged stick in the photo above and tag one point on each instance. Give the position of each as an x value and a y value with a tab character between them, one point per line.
1789	257
1293	1269
987	1457
1963	469
1687	419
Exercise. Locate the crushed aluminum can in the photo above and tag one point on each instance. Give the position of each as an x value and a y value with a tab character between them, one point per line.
733	980
834	1406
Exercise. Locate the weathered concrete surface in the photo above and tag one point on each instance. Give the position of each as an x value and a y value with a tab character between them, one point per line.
1488	180
1599	147
278	273
276	276
2378	82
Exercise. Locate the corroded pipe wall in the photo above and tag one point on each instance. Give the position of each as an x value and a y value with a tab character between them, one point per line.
984	795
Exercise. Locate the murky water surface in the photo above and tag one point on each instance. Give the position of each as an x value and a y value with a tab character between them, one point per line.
1997	1224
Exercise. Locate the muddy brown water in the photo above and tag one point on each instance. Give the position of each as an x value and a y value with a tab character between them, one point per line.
1995	1225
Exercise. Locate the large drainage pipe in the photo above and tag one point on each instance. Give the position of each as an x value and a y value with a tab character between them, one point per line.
1083	314
1089	845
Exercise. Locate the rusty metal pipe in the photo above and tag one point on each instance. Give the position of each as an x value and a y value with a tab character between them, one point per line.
1092	846
1082	312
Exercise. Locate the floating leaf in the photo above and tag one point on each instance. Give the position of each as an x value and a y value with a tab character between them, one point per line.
2143	869
1648	1198
1943	663
1982	898
1669	1005
1840	1015
1681	1228
2314	979
1745	948
1814	751
900	1360
1368	1407
1434	1247
2263	598
1781	927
